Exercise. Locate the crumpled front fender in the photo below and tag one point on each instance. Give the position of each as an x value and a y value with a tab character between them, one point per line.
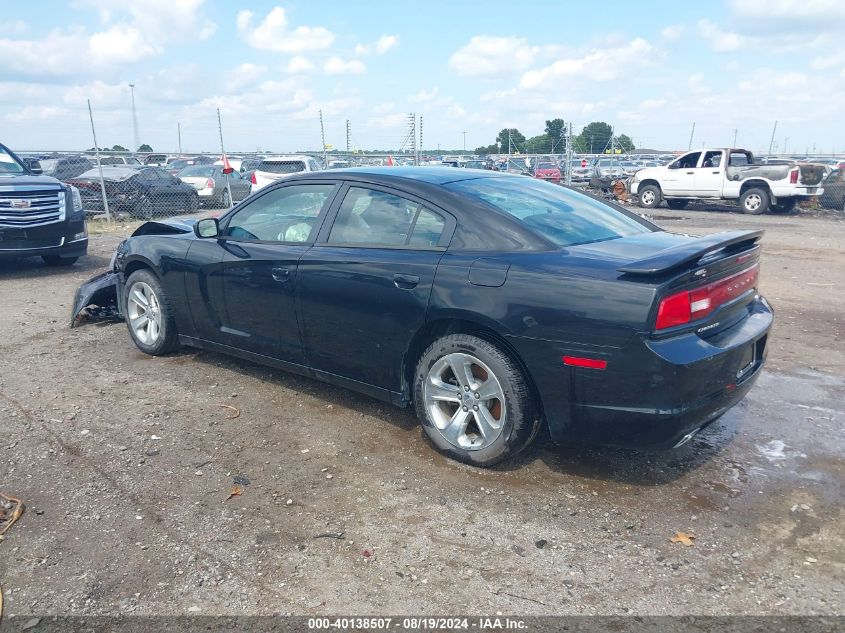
96	300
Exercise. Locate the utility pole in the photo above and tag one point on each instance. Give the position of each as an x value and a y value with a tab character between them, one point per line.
509	141
465	139
134	118
785	141
420	148
323	138
691	134
348	141
412	134
99	164
223	151
736	131
568	166
179	136
772	142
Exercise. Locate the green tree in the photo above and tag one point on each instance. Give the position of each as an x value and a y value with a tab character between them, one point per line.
487	149
119	148
625	143
517	140
595	137
554	129
540	144
145	148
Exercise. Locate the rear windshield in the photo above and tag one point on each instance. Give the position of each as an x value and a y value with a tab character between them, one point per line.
561	215
198	170
281	166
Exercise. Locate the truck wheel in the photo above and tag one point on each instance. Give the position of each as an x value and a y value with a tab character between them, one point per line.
58	260
754	201
677	204
785	205
650	196
474	401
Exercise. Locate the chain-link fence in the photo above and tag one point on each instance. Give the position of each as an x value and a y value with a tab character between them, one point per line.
156	185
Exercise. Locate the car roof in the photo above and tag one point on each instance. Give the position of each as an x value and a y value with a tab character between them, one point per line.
398	175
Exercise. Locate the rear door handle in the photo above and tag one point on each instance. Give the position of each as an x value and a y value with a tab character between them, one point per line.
406	282
281	274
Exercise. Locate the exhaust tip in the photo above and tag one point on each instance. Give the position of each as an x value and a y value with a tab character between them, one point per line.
686	438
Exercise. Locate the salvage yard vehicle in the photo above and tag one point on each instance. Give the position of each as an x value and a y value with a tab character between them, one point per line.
142	192
39	216
210	184
834	190
492	303
728	174
274	168
547	171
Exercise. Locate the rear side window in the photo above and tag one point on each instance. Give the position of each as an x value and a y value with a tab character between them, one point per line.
563	216
282	166
378	218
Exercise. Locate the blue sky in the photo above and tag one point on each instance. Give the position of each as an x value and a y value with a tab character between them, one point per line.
649	68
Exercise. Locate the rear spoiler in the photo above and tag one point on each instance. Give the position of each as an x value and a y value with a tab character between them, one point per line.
683	254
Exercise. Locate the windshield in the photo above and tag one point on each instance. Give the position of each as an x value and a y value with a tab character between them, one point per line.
198	170
282	166
8	165
561	215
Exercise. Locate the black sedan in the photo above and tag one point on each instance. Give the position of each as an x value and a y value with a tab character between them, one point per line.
491	303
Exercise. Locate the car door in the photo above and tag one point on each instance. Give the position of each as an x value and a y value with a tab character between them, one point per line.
261	243
708	177
679	179
364	286
240	187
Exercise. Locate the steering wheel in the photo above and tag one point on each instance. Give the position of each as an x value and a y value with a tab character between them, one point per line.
296	232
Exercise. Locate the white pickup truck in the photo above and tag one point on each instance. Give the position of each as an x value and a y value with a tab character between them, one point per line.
727	174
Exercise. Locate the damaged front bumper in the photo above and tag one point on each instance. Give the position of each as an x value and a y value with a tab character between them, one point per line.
96	300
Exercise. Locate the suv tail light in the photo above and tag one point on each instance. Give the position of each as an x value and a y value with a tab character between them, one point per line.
253	179
690	305
793	176
209	184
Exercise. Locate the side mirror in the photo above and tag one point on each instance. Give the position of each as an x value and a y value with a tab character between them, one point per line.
207	227
33	166
672	165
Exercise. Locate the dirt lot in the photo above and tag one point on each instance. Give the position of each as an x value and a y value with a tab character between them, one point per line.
126	462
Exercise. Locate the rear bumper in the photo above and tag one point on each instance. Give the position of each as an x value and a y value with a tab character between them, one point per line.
653	392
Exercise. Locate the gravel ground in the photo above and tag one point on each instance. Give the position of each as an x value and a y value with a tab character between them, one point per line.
126	464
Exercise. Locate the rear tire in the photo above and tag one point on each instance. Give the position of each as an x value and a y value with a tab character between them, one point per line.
58	260
144	209
649	196
473	400
754	201
677	204
148	314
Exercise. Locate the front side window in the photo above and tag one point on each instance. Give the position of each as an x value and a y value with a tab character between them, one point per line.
378	218
563	216
689	161
288	214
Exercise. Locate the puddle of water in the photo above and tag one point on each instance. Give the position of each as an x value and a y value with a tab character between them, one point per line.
773	451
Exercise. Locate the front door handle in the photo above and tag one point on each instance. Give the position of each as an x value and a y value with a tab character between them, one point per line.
281	274
714	172
690	173
406	282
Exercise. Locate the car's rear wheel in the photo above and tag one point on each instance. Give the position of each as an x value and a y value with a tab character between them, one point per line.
677	204
649	196
58	260
474	401
754	201
149	316
144	209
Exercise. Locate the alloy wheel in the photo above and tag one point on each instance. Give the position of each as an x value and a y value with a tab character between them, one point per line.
465	401
753	202
144	313
647	197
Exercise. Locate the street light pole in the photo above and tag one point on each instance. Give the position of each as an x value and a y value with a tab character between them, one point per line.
134	118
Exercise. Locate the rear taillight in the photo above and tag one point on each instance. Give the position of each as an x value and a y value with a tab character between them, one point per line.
793	176
209	184
253	179
690	305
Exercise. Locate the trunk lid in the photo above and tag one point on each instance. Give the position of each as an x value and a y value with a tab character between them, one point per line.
811	174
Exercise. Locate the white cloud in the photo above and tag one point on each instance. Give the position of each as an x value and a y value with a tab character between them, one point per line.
383	108
385	43
101	94
424	96
33	112
244	75
299	64
485	55
604	64
120	44
338	66
673	31
273	34
362	49
720	41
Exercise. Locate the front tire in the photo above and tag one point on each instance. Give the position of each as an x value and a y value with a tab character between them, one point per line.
754	201
148	314
474	401
649	196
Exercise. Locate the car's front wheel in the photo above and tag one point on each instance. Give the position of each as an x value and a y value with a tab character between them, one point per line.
649	196
149	316
474	401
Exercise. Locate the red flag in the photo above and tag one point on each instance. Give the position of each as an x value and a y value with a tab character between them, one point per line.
227	168
390	161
